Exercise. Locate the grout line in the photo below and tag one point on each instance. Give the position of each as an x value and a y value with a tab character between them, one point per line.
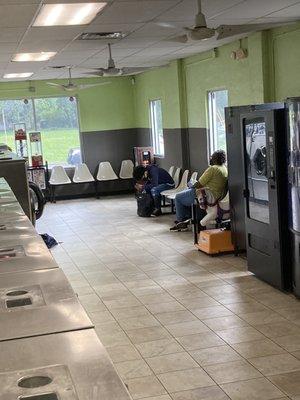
162	259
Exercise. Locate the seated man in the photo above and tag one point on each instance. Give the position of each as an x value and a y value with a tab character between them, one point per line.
154	180
213	180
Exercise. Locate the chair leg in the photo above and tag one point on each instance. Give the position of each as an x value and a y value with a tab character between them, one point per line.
96	190
195	223
50	193
172	206
53	193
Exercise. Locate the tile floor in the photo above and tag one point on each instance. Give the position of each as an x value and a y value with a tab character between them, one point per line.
177	324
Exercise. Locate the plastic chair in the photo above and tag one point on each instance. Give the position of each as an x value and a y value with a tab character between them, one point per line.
171	171
126	171
171	193
182	186
176	177
194	176
58	177
82	174
106	172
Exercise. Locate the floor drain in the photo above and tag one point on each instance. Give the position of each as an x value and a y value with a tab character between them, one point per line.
16	293
34	382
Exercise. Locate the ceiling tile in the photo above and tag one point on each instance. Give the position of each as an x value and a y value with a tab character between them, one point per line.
155	30
8	47
150	26
289	12
133	43
11	34
256	8
17	16
53	33
42	45
82	45
134	11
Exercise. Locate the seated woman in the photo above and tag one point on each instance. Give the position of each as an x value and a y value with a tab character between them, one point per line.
154	180
213	181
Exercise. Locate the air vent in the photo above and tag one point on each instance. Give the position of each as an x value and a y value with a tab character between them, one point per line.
101	35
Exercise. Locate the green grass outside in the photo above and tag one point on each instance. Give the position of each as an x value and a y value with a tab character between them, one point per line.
56	143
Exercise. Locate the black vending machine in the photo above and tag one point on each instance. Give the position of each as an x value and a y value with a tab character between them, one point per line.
257	166
293	106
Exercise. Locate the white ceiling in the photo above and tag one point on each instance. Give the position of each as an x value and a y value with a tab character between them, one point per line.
147	43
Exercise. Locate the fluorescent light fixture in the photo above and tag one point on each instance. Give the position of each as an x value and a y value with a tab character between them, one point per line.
43	56
18	75
68	14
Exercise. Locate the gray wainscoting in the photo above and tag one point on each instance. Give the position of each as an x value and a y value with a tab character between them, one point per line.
113	146
185	148
176	146
198	149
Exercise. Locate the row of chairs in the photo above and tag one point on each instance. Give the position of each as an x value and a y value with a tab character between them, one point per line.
214	215
82	174
180	185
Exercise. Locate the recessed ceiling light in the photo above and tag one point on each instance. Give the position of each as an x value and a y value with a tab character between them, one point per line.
18	75
68	14
43	56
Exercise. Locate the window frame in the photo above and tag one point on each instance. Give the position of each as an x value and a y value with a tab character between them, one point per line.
211	107
32	98
154	135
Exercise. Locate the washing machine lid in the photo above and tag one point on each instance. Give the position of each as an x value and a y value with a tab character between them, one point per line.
7	197
16	228
69	366
11	209
38	303
24	254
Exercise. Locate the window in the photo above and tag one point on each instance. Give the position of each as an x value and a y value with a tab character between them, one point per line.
157	131
55	117
217	101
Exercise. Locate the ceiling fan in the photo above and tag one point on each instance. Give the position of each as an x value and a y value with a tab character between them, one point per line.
71	86
112	70
202	32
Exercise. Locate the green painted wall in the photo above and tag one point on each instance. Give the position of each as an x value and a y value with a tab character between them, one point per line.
186	82
100	108
217	70
284	62
161	84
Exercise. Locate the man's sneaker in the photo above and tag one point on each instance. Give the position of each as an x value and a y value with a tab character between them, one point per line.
180	227
156	212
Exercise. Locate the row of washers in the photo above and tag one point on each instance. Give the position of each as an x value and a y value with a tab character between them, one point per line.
48	345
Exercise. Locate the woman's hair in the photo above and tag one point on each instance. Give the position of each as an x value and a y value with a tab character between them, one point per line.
218	157
138	172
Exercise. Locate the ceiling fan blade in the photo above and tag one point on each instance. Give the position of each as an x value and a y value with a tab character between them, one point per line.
179	39
94	72
134	70
94	68
82	87
166	24
225	31
54	84
202	33
69	88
